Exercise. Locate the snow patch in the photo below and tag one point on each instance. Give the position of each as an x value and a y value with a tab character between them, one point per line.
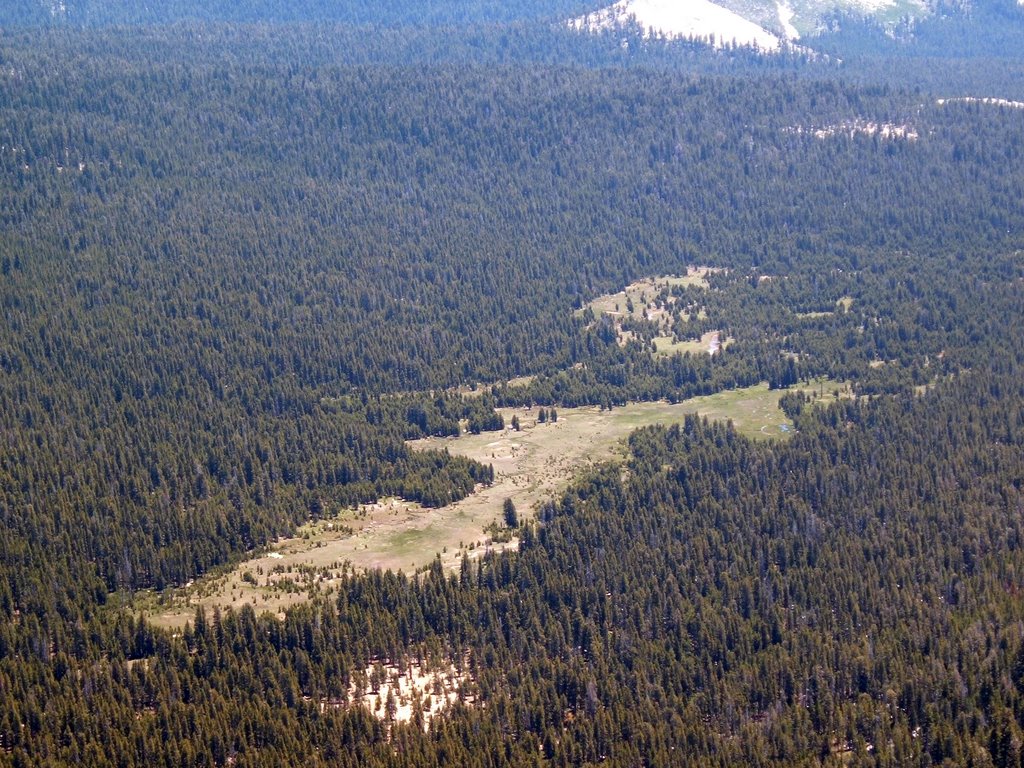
786	20
984	99
851	128
680	19
870	6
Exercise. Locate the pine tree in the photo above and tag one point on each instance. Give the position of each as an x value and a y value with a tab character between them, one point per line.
510	513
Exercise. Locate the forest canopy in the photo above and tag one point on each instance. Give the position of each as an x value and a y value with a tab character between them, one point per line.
237	275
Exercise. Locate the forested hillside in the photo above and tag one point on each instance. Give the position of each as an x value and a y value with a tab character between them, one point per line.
990	29
79	13
236	276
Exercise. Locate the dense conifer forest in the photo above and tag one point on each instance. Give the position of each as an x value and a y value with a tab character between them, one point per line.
240	266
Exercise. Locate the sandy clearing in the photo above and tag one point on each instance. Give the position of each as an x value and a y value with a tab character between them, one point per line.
435	690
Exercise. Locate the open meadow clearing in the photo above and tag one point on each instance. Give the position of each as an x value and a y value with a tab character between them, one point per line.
531	465
634	299
646	300
709	344
843	305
